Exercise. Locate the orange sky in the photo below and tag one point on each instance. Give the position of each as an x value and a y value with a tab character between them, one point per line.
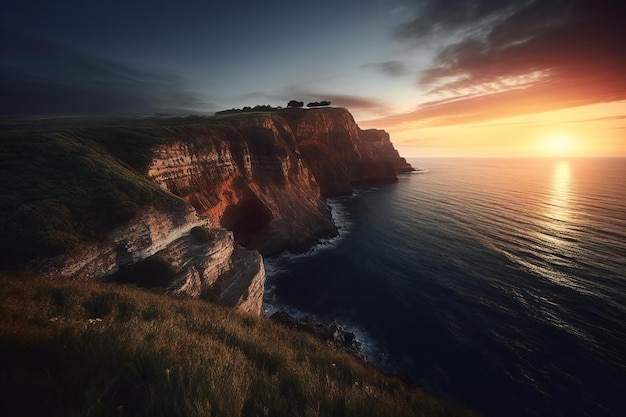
590	130
518	79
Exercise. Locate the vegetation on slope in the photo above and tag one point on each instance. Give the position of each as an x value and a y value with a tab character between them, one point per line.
103	350
62	187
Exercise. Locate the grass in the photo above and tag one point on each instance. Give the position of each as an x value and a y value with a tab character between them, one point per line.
90	349
59	188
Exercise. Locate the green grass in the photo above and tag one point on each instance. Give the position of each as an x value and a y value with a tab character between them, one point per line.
88	349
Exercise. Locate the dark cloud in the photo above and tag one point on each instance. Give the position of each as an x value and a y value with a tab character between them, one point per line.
39	76
394	68
529	55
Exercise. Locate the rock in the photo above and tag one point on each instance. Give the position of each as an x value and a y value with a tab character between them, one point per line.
205	264
147	233
326	332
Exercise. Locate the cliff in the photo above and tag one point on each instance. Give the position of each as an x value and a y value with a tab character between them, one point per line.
87	198
265	175
340	153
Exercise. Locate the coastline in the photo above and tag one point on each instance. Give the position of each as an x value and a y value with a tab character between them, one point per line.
277	266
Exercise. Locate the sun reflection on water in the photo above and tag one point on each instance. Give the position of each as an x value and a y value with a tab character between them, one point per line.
555	245
558	204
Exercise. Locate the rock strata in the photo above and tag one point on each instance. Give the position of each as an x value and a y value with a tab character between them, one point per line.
216	268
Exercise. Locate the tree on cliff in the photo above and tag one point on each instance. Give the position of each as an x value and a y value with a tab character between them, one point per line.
319	103
295	104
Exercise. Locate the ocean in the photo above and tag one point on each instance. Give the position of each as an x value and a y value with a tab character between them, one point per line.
497	282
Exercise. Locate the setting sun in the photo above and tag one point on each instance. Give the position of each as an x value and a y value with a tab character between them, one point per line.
557	145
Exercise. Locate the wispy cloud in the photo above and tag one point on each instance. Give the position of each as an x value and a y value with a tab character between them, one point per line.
39	76
513	57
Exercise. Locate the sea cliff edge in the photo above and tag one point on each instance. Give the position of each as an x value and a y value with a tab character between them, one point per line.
197	199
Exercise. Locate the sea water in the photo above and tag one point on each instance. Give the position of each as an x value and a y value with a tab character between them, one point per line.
500	283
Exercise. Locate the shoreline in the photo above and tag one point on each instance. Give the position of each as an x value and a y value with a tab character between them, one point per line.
276	266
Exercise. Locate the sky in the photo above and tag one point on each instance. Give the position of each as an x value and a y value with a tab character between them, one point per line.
444	78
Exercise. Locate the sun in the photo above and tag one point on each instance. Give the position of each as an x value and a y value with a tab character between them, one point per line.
558	145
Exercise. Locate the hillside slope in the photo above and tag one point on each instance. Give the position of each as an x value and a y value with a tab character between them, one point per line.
69	348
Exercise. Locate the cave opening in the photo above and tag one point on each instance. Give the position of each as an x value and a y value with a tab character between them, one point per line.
246	219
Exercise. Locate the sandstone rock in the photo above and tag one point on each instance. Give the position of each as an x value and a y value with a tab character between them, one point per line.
217	268
147	233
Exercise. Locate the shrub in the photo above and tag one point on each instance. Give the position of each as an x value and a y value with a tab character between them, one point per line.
295	104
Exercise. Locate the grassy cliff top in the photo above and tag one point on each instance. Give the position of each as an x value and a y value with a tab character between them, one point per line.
61	187
93	349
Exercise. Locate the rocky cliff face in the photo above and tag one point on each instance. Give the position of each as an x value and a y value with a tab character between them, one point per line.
147	233
247	176
342	155
265	176
216	267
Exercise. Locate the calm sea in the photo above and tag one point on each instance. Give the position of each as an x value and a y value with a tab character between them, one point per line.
497	282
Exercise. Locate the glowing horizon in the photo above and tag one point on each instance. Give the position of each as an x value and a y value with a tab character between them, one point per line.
597	130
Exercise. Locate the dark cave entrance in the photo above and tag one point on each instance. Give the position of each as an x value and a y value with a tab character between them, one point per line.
246	219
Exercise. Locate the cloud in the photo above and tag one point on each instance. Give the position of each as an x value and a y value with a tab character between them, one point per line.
393	68
39	76
513	57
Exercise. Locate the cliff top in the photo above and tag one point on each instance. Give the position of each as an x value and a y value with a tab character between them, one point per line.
8	124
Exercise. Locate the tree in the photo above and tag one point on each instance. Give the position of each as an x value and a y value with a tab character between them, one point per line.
294	104
319	103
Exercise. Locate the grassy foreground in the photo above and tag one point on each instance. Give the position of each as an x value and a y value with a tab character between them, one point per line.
89	349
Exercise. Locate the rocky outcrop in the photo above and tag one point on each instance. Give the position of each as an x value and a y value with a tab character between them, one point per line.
147	233
216	268
330	333
381	147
